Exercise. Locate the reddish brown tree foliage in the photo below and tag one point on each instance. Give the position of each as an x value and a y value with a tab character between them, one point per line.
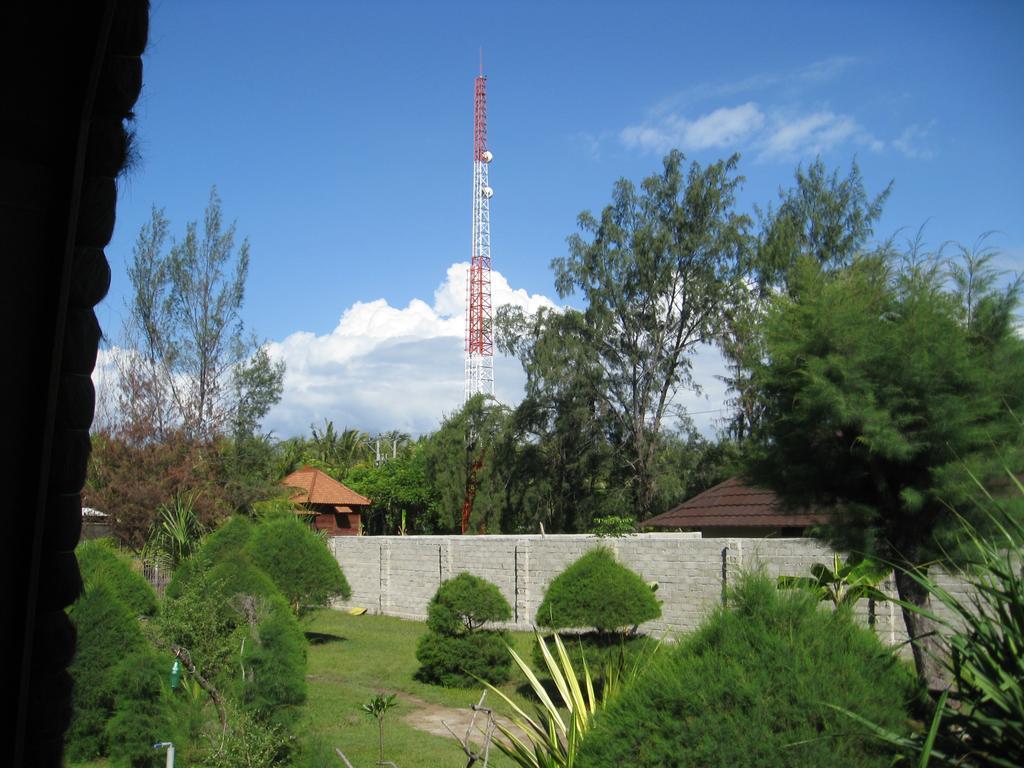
130	480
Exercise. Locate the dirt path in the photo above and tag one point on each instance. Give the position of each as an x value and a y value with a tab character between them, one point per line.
433	717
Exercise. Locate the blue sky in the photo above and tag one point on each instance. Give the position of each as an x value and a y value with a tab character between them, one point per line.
339	138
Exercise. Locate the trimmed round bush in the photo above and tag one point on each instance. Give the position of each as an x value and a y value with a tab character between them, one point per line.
596	591
753	686
464	604
456	650
100	563
298	561
455	661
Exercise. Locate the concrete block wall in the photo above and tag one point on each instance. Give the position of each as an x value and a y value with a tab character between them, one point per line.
397	575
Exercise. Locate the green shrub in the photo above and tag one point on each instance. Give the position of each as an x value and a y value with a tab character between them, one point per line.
455	661
226	542
141	711
183	574
613	526
275	665
250	743
241	633
464	604
271	509
107	632
753	686
99	562
456	649
597	592
229	539
298	562
236	574
201	620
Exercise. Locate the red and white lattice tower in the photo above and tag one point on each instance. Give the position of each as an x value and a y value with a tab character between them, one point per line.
479	315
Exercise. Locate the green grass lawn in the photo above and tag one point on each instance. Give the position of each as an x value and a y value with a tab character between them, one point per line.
353	658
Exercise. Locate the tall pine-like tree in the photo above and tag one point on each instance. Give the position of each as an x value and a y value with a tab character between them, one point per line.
883	403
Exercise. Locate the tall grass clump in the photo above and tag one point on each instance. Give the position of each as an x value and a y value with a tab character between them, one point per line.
752	686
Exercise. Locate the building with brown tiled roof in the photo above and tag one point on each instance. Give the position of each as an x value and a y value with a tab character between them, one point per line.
737	509
335	507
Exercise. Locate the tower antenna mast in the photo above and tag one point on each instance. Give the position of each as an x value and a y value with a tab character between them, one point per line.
479	313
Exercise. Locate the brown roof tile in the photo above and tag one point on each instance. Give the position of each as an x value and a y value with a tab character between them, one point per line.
734	503
316	487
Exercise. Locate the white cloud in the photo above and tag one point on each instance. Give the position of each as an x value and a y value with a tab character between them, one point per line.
780	125
912	143
726	126
790	82
779	135
385	367
810	134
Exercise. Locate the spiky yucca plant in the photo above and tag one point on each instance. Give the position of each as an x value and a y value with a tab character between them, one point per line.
553	738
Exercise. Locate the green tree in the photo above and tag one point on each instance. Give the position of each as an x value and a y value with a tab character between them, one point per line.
378	708
563	467
238	629
298	561
337	451
822	217
401	489
460	459
880	404
141	711
656	271
192	364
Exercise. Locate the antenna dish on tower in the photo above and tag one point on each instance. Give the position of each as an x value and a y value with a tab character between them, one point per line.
487	156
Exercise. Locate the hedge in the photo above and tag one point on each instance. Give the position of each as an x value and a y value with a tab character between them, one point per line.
753	686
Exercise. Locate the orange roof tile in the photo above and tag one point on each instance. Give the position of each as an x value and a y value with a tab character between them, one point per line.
734	503
317	487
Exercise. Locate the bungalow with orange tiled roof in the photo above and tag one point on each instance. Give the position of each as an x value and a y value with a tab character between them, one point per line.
736	508
335	507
